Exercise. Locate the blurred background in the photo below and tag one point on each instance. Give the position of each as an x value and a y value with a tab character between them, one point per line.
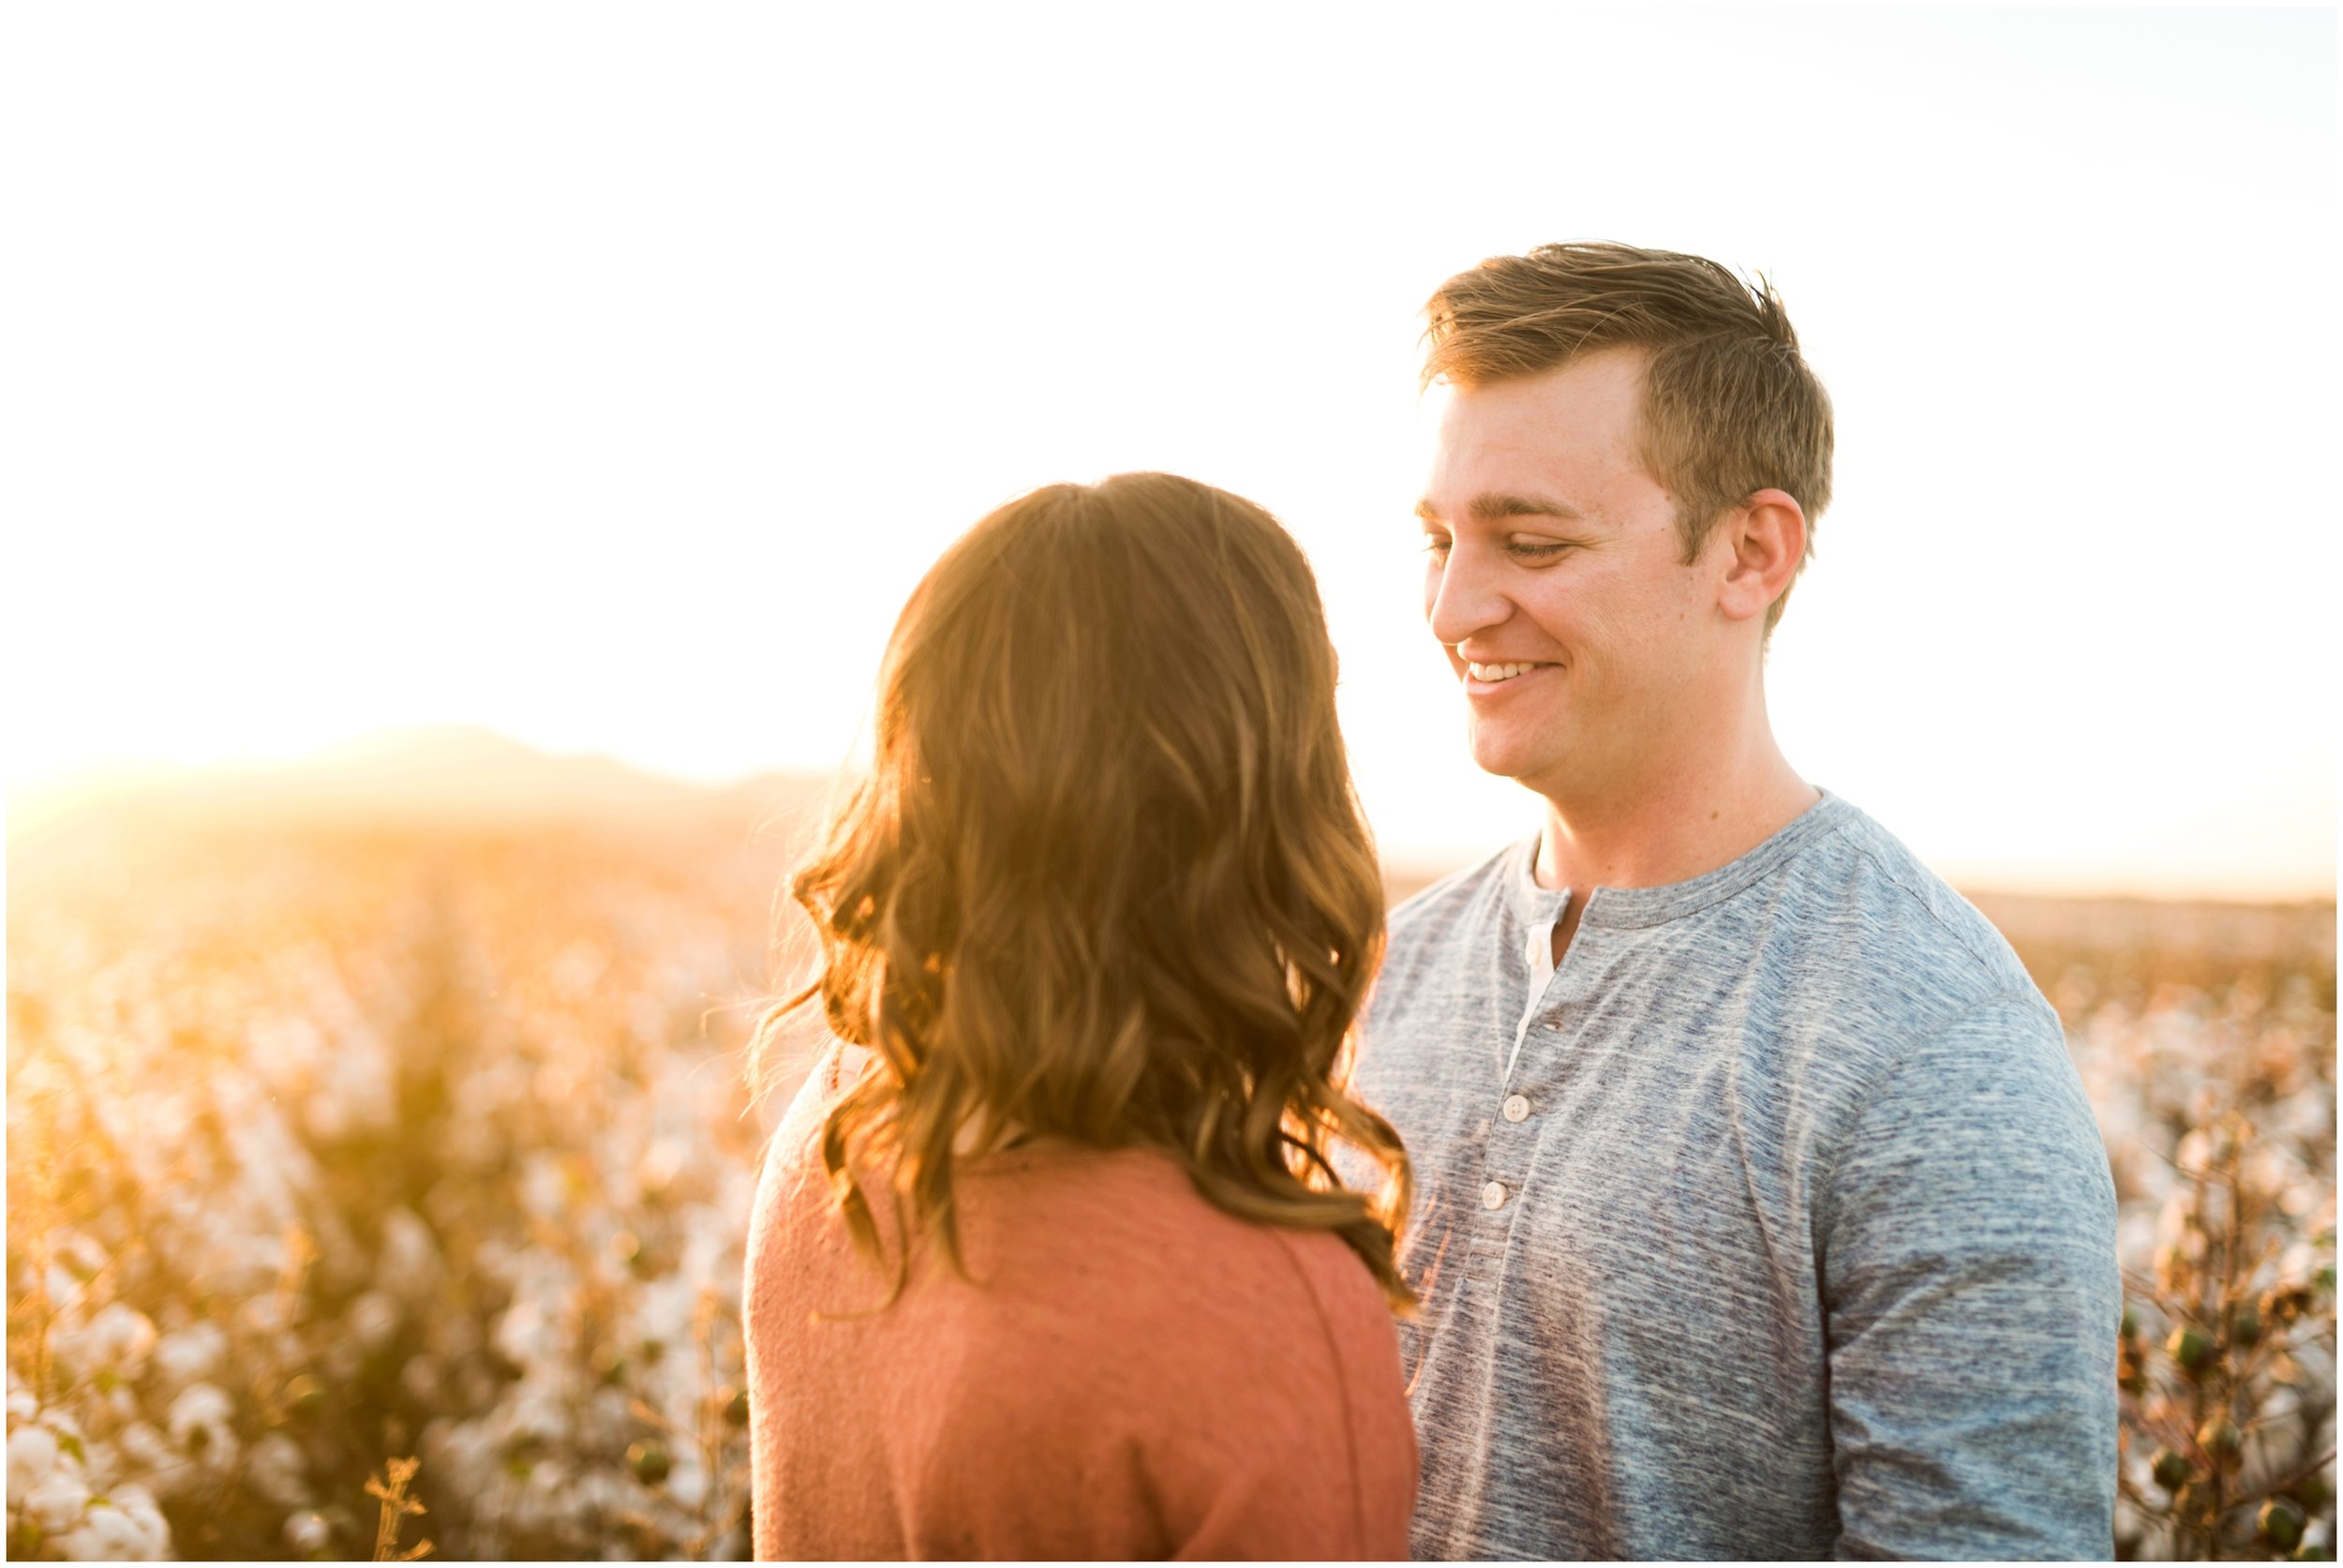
469	460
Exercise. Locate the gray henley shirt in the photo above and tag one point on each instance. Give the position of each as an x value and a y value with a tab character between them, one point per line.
1772	1224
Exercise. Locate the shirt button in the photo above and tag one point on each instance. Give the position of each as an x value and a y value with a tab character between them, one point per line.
1517	1108
1493	1196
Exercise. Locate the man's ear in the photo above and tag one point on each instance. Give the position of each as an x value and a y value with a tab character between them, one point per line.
1766	537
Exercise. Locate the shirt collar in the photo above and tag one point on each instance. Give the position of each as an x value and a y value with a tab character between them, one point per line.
1536	908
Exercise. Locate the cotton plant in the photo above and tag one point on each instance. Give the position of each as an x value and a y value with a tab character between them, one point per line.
216	1074
63	1499
2217	1096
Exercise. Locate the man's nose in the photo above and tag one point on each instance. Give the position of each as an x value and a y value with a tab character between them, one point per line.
1463	597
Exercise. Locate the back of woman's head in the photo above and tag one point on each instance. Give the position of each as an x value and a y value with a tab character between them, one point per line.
1107	882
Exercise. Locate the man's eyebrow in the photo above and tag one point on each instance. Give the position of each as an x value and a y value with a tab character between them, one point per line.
1494	505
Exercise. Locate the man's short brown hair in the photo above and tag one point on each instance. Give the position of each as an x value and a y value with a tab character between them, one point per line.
1729	407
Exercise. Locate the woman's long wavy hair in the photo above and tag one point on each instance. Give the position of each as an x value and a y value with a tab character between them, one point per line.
1107	881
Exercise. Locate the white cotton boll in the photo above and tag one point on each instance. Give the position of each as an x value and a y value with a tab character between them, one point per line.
191	1353
463	1448
57	1502
267	1313
199	1424
663	1308
343	1360
100	1464
84	1255
422	1381
2302	1199
687	1483
324	1114
198	1404
472	1145
121	1338
409	1263
453	1335
373	1319
112	1410
32	1454
703	1245
600	1493
2265	1171
535	1410
307	1532
285	1045
137	1504
252	1264
150	1453
105	1535
2135	1234
277	1470
608	1420
69	1345
525	1334
2173	1227
545	1187
527	1513
72	1440
661	1163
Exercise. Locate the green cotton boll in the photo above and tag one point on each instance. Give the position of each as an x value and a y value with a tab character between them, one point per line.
2220	1438
2244	1324
2280	1523
649	1462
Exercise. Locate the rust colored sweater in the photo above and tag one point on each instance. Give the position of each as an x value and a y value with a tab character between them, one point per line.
1135	1374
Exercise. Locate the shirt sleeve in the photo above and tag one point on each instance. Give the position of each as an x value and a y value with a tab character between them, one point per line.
1973	1302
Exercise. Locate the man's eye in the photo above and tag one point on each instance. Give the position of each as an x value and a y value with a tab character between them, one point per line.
1523	549
1436	544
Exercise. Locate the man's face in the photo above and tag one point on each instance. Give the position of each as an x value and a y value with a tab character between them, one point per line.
1590	653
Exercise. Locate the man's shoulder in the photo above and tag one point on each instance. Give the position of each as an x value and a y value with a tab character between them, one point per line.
1882	972
1885	918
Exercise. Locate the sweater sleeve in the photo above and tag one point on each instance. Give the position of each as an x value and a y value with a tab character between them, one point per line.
1973	1300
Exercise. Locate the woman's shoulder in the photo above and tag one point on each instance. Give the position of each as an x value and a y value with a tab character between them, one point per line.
1122	1242
1140	1207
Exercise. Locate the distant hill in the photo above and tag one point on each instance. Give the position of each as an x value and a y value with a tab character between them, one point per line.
444	775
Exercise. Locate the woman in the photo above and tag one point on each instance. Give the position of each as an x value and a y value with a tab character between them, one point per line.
1049	1259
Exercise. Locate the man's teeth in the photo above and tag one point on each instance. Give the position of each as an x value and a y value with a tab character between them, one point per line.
1498	672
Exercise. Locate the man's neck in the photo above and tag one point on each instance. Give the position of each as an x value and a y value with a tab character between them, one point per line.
1674	827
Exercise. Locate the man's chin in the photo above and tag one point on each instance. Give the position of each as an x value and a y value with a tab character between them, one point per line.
1521	764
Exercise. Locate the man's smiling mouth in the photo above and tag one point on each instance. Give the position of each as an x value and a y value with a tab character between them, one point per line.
1498	672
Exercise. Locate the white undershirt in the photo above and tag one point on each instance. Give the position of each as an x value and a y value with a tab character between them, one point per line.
1540	952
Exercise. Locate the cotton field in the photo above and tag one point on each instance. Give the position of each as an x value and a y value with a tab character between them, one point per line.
380	1194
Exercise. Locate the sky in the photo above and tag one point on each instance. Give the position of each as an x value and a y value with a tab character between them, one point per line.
609	375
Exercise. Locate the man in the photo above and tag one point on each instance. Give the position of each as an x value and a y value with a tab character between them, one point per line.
1761	1214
